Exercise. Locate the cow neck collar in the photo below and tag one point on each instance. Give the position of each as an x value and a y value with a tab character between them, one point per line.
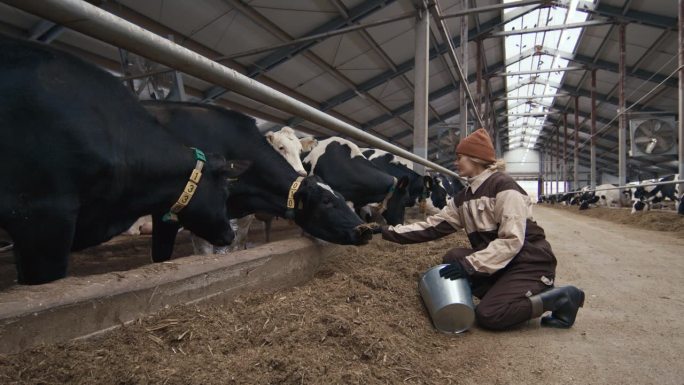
291	203
475	182
383	205
190	187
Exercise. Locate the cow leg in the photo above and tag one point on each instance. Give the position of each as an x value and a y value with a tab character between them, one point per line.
242	232
267	229
163	238
42	246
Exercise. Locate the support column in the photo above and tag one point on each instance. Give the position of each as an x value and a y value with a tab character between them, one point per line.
622	120
680	101
420	89
478	58
558	154
177	92
592	177
565	152
575	160
463	111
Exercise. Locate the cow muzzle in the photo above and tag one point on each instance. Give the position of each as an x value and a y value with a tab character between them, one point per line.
364	233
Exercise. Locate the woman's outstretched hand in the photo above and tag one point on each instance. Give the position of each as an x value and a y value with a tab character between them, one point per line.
376	228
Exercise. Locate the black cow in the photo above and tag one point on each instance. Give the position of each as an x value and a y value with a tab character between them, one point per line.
81	160
264	188
342	165
399	167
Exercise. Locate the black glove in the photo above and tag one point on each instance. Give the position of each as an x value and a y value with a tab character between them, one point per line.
453	271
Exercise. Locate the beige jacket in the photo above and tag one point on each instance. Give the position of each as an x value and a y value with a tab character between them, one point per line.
496	214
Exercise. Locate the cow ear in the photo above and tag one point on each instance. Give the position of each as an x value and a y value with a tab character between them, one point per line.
235	168
308	143
427	182
269	137
403	182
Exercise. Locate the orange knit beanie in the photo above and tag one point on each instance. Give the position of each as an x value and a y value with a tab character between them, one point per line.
477	145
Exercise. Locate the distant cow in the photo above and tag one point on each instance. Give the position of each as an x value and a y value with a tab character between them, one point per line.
81	160
645	196
605	195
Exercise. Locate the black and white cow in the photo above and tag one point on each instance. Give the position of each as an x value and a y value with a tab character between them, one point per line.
452	185
81	160
266	186
398	167
644	197
342	165
605	195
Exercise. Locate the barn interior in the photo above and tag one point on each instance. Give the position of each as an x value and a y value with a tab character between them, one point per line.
575	94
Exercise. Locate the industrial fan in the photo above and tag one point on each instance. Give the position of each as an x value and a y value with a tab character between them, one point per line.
653	136
157	85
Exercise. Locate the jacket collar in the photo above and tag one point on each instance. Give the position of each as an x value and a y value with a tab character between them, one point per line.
475	182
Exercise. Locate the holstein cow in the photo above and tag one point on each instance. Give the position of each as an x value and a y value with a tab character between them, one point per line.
290	147
81	160
603	197
342	165
419	186
271	185
450	184
645	196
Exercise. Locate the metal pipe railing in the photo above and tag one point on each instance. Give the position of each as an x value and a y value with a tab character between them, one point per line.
624	187
95	22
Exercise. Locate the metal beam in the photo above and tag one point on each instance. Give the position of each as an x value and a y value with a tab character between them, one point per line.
422	85
541	71
535	96
90	20
451	51
681	93
584	24
282	55
622	118
402	68
495	7
318	38
637	17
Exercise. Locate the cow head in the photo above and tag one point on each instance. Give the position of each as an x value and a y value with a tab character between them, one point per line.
289	146
638	205
206	215
396	205
323	213
438	194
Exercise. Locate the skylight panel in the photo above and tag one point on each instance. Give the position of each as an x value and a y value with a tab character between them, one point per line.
524	130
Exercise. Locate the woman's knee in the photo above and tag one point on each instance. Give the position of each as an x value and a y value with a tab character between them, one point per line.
492	318
456	254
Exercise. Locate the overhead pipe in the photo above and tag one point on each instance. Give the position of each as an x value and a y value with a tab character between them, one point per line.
95	22
451	51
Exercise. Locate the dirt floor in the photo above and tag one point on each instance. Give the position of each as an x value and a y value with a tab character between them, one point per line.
660	220
360	320
127	252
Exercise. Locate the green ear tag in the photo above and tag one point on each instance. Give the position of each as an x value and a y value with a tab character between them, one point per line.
199	155
170	217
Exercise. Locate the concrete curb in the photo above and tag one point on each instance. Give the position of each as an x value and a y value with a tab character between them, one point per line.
79	307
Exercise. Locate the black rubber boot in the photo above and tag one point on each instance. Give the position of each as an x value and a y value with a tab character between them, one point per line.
563	302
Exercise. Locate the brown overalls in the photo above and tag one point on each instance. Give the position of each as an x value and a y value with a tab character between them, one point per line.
510	259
